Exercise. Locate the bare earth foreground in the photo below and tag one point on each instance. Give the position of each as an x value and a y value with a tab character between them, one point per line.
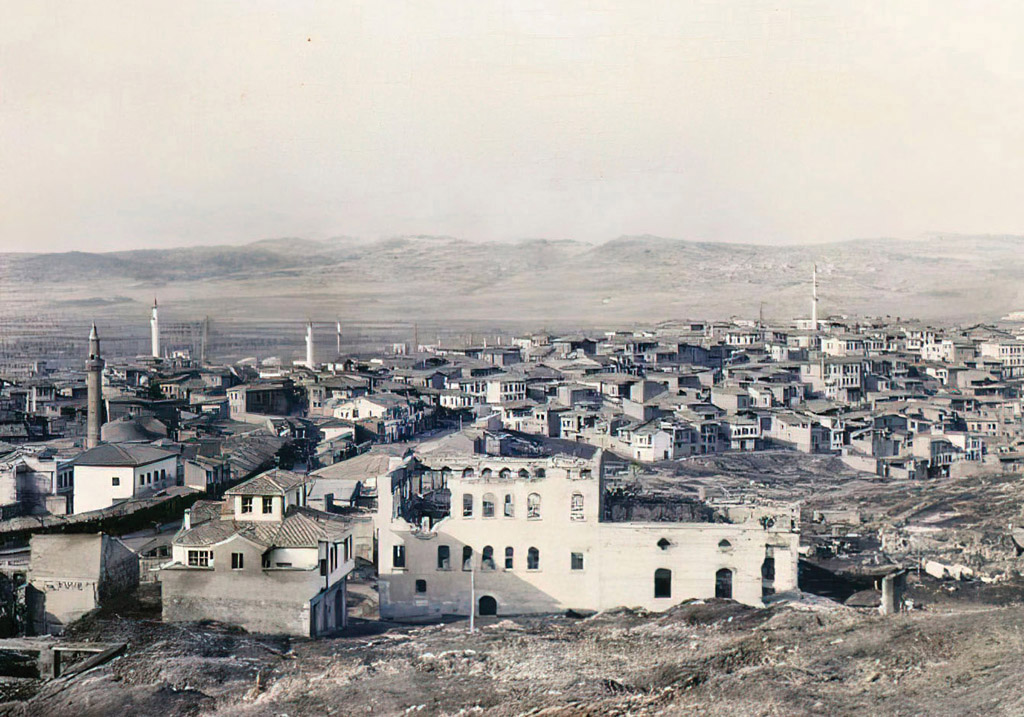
714	658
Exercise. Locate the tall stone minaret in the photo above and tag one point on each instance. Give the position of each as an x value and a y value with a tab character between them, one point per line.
94	388
814	298
309	344
154	331
339	337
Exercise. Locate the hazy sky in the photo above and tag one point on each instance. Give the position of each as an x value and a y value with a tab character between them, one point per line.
128	124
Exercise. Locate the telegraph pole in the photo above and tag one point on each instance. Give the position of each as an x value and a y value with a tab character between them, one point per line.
472	594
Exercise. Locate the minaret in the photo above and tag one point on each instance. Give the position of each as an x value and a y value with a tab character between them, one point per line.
94	387
309	344
814	298
154	332
339	337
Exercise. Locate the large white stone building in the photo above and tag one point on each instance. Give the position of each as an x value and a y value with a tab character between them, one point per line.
515	524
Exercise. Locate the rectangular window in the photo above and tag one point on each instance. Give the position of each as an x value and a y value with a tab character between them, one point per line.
246	503
199	558
115	481
398	556
237	561
577	561
509	558
467	505
421	586
444	557
268	505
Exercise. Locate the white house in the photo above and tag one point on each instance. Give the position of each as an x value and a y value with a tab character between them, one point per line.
111	473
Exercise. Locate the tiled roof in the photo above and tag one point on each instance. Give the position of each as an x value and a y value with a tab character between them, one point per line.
300	528
273	482
112	454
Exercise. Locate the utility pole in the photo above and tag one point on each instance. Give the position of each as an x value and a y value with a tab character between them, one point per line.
472	593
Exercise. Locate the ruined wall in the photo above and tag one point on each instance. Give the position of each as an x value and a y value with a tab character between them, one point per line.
119	570
64	573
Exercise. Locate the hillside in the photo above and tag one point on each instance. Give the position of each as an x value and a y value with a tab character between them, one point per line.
437	278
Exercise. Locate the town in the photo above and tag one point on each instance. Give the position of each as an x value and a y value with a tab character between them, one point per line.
516	475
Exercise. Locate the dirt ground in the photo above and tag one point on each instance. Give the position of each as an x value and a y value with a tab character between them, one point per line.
808	657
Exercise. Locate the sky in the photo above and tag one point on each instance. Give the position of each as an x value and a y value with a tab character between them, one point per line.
156	124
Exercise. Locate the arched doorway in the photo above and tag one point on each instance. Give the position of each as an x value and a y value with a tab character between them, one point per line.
488	606
723	583
662	583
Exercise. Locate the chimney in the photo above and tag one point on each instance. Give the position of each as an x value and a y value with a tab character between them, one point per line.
186	522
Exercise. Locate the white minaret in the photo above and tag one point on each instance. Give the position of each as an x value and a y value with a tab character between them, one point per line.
339	338
309	344
154	332
814	298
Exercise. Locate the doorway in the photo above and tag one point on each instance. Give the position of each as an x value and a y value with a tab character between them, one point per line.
488	606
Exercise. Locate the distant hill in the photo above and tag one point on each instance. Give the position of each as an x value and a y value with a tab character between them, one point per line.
636	278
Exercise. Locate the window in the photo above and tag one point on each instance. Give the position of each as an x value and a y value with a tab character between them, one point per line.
533	505
485	474
467	505
664	543
510	506
768	576
199	558
576	507
398	556
533	559
268	504
163	474
246	503
467	558
585	474
577	561
115	481
468	473
444	557
523	473
334	557
265	561
421	586
541	473
237	561
505	474
488	505
487	558
662	583
509	558
724	545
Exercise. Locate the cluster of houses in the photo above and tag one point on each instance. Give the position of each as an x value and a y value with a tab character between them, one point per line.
480	477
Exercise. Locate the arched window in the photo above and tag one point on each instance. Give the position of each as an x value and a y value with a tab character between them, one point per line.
662	583
510	506
664	543
576	506
533	559
533	505
444	557
468	474
467	505
509	558
585	474
724	544
467	557
540	473
488	505
523	473
485	473
723	584
487	558
505	474
446	475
